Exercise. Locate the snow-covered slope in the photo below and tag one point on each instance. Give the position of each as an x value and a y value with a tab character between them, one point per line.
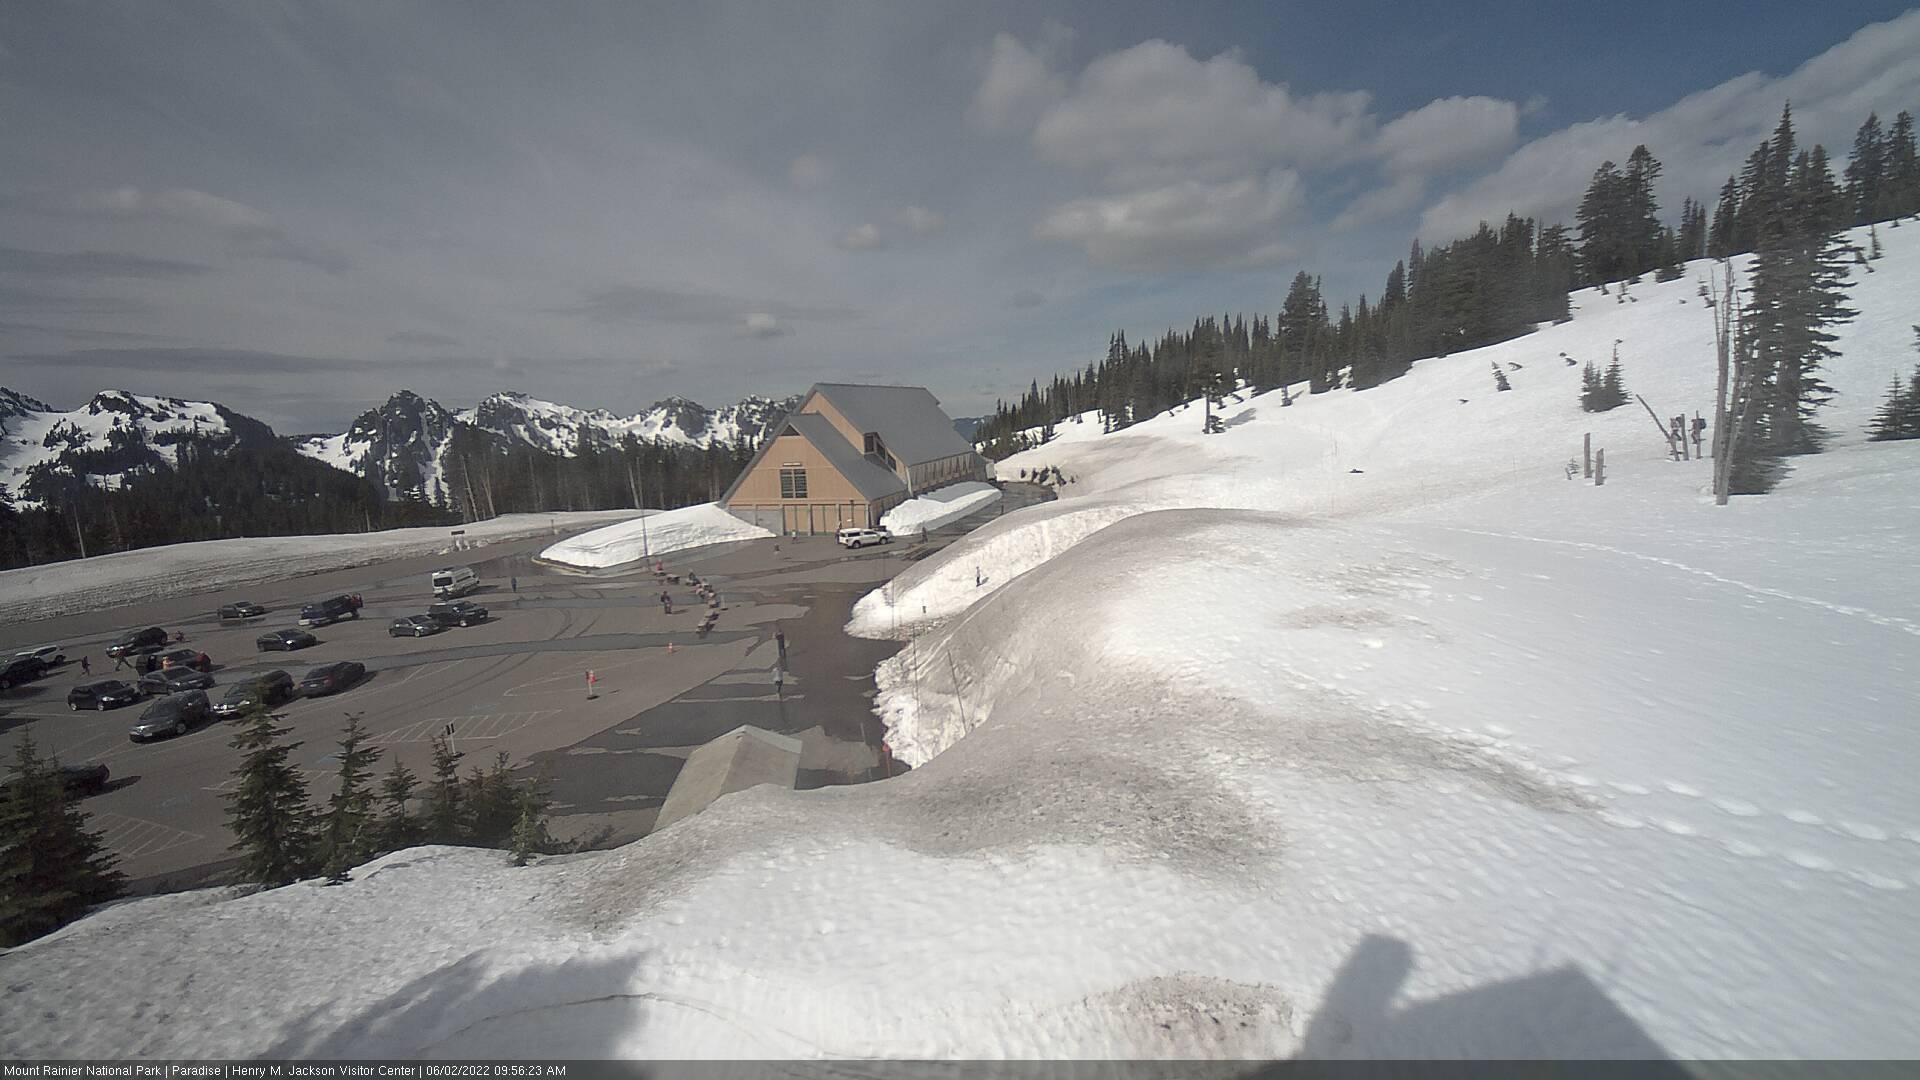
113	434
1233	751
401	446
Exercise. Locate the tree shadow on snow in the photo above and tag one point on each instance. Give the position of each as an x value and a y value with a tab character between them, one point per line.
1560	1014
584	1007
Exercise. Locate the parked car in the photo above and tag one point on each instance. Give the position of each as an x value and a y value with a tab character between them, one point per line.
192	658
285	641
240	610
88	779
859	538
50	654
173	680
331	610
175	714
133	643
457	613
414	626
21	669
454	581
103	695
332	678
261	691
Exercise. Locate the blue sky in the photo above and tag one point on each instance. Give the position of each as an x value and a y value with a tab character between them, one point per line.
297	209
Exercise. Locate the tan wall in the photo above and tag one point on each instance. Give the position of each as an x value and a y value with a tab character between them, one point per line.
820	405
824	482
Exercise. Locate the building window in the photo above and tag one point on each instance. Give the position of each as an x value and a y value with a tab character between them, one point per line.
793	482
873	443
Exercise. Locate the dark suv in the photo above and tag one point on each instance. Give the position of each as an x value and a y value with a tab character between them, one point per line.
331	610
264	691
457	613
21	669
104	694
332	678
152	639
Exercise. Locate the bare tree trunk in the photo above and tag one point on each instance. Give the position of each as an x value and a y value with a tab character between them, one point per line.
1723	326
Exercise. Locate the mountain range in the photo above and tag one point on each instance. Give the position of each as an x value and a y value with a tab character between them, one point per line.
401	444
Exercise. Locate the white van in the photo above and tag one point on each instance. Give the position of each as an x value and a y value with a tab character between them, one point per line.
454	581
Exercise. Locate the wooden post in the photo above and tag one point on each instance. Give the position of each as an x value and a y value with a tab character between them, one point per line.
1586	456
1672	451
1599	466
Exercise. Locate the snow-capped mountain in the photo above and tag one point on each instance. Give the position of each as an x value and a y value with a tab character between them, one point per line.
401	445
557	428
113	434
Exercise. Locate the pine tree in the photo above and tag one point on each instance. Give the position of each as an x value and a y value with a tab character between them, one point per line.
1613	389
1896	418
1900	189
490	806
1866	171
398	827
52	867
271	821
444	809
349	836
530	836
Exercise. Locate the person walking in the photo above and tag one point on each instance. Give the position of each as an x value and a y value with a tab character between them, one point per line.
779	681
780	642
513	583
120	661
666	603
86	666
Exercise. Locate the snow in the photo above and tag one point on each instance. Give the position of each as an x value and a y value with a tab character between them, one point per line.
1232	752
939	508
36	438
657	532
40	592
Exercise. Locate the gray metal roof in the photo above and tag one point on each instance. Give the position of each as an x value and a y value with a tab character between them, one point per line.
907	418
869	479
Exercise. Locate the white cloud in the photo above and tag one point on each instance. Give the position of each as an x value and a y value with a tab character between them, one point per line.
1448	133
1154	104
1398	197
1026	298
1702	138
759	324
864	237
1184	225
809	171
919	220
1020	83
249	232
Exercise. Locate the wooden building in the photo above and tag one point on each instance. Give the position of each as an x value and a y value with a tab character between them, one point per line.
846	455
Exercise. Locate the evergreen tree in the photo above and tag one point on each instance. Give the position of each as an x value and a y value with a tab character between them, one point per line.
1900	188
491	812
350	836
1722	237
444	809
52	867
530	836
398	828
1899	415
271	821
1866	171
1613	388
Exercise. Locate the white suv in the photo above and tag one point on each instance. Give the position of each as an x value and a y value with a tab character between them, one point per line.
859	538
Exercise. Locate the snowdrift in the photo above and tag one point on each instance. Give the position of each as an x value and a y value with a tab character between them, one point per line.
657	532
939	508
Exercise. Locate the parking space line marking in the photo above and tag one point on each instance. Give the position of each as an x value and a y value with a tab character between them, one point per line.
132	836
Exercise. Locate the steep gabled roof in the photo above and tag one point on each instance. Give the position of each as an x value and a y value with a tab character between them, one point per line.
869	479
907	418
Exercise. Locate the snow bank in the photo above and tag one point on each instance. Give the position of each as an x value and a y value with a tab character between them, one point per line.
939	508
658	533
40	592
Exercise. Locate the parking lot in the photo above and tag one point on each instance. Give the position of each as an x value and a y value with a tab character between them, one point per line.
515	684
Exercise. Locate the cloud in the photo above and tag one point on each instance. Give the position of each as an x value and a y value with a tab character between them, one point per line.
809	171
1180	226
421	337
1702	138
762	325
862	238
176	362
1397	197
919	220
689	307
92	265
1448	133
1020	84
250	233
1025	298
1156	104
